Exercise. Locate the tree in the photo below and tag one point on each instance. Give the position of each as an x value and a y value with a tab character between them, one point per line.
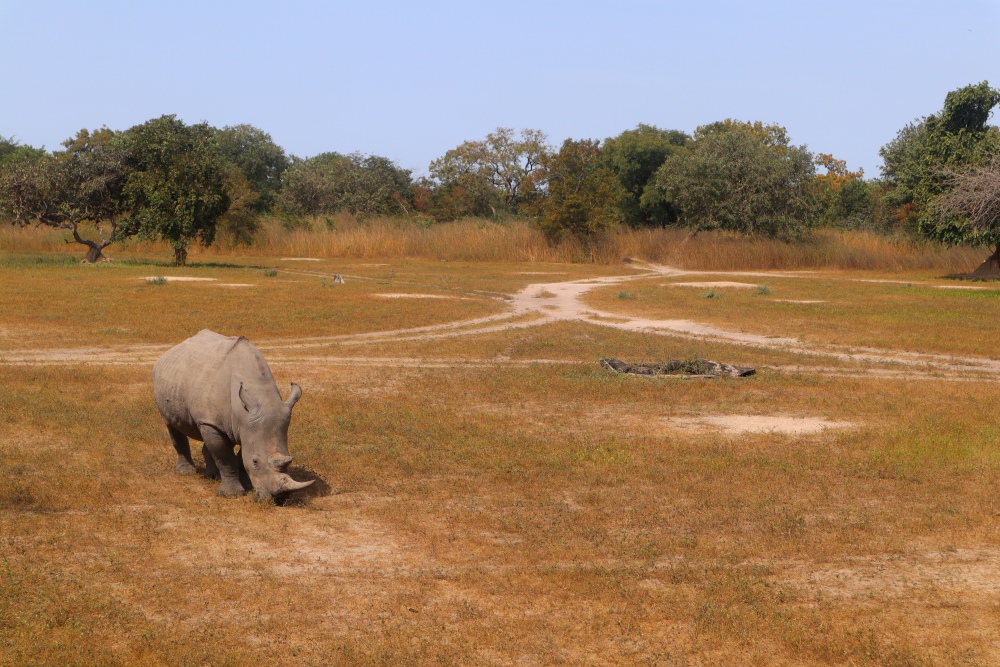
634	156
971	207
376	185
255	166
331	182
584	196
917	163
242	219
841	197
500	171
79	185
176	187
743	177
11	149
261	161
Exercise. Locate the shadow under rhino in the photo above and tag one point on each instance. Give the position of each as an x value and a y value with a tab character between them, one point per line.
318	487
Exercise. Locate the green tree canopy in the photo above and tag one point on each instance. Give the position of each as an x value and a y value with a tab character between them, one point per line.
634	156
584	196
176	187
261	161
82	184
917	163
744	177
500	171
359	184
11	149
841	197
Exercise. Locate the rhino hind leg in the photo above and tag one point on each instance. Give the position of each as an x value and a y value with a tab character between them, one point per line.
220	448
185	466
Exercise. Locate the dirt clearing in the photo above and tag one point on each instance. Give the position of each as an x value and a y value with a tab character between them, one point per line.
415	296
716	283
177	279
799	300
738	424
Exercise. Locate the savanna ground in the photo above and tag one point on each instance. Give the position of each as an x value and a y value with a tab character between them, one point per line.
487	493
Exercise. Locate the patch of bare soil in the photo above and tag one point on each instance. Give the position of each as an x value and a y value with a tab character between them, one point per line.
716	283
972	287
416	296
179	279
962	571
328	543
299	259
739	424
799	300
235	285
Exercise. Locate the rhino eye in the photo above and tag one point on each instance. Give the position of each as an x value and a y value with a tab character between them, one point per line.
256	463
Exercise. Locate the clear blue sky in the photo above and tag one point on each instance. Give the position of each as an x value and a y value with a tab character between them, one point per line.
411	80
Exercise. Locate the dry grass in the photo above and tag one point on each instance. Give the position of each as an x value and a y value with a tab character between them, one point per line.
51	301
477	240
494	513
912	314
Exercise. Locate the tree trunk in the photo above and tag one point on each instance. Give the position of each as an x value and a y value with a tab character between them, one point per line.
990	268
94	255
180	256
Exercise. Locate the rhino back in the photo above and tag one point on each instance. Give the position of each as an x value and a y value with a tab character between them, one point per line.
191	381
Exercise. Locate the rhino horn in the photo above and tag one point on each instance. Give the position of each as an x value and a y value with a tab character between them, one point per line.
294	396
280	463
289	485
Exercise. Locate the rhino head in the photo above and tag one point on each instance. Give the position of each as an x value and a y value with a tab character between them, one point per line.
264	442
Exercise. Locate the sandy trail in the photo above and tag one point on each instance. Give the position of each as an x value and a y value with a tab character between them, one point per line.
545	303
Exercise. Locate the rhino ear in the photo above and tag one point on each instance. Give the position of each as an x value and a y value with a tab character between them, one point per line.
294	396
245	398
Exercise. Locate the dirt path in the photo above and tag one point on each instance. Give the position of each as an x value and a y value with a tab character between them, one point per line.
545	303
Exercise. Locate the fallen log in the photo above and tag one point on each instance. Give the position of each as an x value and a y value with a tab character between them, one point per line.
691	368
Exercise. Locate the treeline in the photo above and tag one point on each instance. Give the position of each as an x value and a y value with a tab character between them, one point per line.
181	183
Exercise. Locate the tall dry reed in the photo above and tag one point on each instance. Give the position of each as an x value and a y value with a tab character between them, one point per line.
480	240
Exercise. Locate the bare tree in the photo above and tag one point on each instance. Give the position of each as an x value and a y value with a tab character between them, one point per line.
972	208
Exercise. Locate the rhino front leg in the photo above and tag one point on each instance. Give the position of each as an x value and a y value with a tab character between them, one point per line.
185	466
211	470
220	448
241	469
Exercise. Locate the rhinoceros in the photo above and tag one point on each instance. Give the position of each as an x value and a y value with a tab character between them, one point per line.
220	390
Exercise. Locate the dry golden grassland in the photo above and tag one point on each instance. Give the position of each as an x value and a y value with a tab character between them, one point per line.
913	312
487	493
478	240
49	301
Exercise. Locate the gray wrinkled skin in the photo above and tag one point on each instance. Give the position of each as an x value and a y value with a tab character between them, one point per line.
219	390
